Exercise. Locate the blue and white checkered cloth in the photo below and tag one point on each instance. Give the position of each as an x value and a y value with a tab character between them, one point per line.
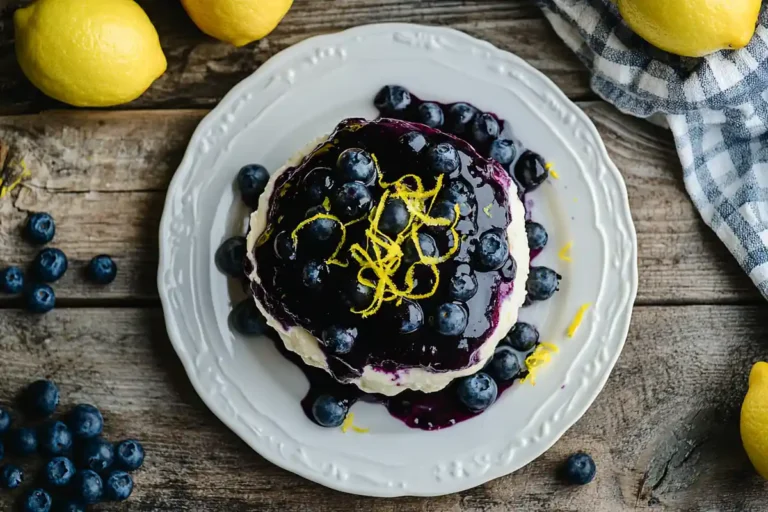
716	107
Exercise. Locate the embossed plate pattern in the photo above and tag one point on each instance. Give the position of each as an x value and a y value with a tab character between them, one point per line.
301	94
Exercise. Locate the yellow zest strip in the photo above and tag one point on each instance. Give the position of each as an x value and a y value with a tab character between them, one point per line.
349	424
306	222
327	204
265	236
564	253
551	168
487	210
284	189
538	358
577	320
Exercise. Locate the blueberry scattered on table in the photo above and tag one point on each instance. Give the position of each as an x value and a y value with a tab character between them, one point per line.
96	454
252	180
68	506
329	411
356	164
443	158
414	142
430	114
58	472
460	117
11	477
230	255
477	392
102	269
40	298
537	235
522	337
5	421
40	228
450	319
50	264
21	441
530	170
247	319
87	487
542	283
36	500
580	469
85	421
314	274
2	450
339	340
55	438
491	250
504	365
11	280
118	486
503	151
129	455
40	399
392	100
352	200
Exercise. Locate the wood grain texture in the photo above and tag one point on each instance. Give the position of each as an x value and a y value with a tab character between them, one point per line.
664	431
104	175
201	70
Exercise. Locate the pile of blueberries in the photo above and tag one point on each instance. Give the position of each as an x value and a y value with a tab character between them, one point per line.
81	467
49	266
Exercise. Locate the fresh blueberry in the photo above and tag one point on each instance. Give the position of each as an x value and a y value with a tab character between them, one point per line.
580	469
530	170
102	269
21	441
357	295
427	245
321	229
537	235
11	280
39	399
40	298
477	392
314	275
415	142
485	129
443	158
450	319
58	472
356	165
430	114
408	317
522	337
443	210
69	506
394	217
542	283
504	365
329	411
96	454
230	255
87	487
252	180
129	455
459	192
50	264
40	228
508	270
503	151
392	100
54	438
284	248
36	500
352	201
11	476
2	450
339	340
463	284
247	319
460	117
85	421
318	184
491	251
118	486
5	421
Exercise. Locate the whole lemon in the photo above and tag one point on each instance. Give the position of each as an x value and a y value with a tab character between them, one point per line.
238	22
692	28
754	419
88	53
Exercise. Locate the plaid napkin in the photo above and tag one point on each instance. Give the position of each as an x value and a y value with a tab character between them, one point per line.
716	107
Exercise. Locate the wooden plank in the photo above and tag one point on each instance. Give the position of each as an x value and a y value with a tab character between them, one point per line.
201	70
103	176
664	431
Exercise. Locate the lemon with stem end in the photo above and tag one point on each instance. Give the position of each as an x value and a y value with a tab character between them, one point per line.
238	22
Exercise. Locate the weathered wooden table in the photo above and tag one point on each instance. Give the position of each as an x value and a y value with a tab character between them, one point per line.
664	432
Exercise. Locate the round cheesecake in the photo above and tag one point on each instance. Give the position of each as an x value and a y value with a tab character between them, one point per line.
391	255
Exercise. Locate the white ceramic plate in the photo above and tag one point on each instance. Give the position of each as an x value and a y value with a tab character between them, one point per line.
301	94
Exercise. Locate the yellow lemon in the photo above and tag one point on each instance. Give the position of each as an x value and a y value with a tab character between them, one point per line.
238	22
88	53
692	28
754	419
